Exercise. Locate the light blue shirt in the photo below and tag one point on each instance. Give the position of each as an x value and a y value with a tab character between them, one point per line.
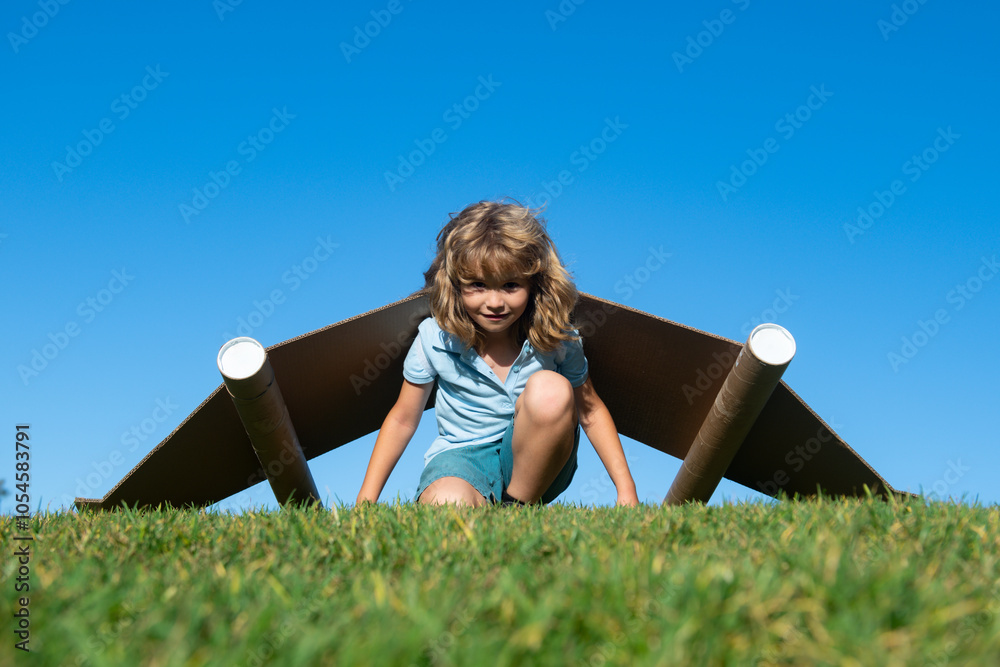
473	406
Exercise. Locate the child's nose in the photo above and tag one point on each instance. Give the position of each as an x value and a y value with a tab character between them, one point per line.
493	299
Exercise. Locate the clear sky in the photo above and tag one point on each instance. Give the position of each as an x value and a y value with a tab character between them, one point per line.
166	167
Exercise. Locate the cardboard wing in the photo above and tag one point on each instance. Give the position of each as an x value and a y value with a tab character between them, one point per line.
658	378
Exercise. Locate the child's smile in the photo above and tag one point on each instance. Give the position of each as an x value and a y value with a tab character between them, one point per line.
494	304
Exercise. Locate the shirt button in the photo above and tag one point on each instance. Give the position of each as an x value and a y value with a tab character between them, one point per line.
516	368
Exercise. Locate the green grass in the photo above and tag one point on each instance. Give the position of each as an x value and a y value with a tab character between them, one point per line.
827	582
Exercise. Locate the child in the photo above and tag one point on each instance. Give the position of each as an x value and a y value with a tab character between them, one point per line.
512	378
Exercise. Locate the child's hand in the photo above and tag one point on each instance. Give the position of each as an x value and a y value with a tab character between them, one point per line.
627	498
365	499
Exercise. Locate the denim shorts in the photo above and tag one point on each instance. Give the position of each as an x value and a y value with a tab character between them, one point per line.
488	467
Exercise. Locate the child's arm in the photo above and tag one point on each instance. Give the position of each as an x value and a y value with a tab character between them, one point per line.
600	429
395	434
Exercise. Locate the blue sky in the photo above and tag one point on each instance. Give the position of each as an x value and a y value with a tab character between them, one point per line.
167	167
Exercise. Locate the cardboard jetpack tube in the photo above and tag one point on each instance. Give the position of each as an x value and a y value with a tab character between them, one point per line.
749	385
249	378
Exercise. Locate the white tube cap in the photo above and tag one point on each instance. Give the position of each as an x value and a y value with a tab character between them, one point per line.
772	344
240	358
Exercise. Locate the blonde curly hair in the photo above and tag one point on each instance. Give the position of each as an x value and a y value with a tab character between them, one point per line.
501	239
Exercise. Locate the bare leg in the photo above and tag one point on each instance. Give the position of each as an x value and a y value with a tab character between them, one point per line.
451	490
544	430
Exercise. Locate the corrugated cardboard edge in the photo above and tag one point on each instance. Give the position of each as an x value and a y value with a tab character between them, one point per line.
106	501
765	448
694	412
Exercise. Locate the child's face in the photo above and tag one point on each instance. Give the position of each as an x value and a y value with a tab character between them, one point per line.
496	302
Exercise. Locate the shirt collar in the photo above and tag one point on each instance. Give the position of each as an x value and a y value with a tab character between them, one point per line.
449	342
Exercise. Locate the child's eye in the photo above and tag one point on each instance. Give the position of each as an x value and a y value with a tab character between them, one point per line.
511	286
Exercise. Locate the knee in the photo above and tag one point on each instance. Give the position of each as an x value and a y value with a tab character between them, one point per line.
548	397
449	490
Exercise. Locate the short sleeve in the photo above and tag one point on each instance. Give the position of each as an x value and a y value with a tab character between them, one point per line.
416	367
571	363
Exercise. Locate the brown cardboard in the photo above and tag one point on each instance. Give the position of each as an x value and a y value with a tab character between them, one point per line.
264	416
658	379
744	393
